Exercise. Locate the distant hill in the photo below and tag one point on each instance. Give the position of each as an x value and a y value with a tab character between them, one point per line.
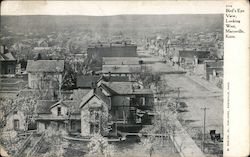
135	23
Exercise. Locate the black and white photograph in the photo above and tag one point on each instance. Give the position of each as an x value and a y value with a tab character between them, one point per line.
139	85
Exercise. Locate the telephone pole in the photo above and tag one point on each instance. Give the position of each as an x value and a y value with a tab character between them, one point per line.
204	128
178	97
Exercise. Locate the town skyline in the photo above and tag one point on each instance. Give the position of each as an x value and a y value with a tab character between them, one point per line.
112	85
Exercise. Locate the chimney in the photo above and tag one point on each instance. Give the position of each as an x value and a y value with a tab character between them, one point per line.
133	88
4	49
93	85
109	78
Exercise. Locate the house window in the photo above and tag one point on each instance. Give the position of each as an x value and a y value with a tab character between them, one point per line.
73	125
59	111
15	112
16	124
143	101
58	126
94	128
47	125
94	116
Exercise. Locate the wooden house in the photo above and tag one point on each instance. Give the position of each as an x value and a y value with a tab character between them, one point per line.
8	62
44	73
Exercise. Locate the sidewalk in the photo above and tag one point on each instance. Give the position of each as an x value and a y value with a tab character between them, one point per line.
184	143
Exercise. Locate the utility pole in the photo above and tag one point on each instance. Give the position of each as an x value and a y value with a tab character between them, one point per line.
178	97
204	128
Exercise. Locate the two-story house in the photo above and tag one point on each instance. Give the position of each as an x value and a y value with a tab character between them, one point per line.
123	106
7	62
58	115
45	73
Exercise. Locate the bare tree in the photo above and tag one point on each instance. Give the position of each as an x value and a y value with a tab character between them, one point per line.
23	104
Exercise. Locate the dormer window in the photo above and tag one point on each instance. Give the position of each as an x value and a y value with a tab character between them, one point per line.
59	111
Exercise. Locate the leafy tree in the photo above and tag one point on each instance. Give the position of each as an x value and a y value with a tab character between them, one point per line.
99	145
163	122
57	144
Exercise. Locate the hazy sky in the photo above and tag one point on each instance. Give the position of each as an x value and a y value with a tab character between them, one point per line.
109	7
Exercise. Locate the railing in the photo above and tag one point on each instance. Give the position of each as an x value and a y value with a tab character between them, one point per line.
36	146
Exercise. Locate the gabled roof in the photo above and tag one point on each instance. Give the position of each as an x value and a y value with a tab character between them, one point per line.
10	56
86	81
214	64
143	91
44	106
58	103
192	53
45	66
124	88
121	69
120	60
114	79
41	41
95	92
73	105
7	57
1	58
119	88
41	48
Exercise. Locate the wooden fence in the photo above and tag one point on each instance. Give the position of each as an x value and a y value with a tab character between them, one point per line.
35	147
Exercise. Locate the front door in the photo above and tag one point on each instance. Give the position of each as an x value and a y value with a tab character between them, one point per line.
16	124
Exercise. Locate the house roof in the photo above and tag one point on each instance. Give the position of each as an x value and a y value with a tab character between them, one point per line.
124	88
152	59
118	87
120	60
45	66
192	53
41	41
143	91
7	57
115	78
121	69
73	105
214	64
95	92
57	103
41	48
44	106
86	81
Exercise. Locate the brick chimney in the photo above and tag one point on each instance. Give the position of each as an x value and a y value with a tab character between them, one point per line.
109	78
3	49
